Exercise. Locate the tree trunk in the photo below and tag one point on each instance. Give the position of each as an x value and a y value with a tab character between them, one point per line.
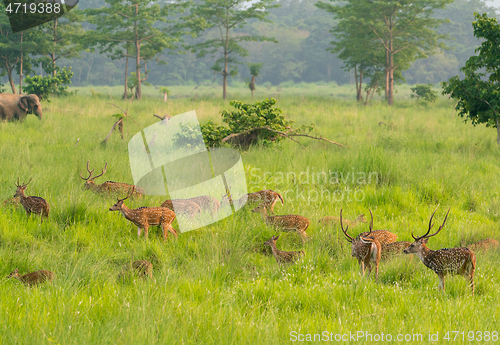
165	97
21	68
54	51
356	80
374	89
390	99
125	95
224	72
9	74
498	132
386	73
138	89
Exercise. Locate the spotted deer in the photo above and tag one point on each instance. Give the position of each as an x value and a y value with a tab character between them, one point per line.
142	268
183	206
461	261
330	219
366	248
143	217
32	204
33	278
11	202
285	223
393	249
484	245
281	256
207	203
109	188
267	197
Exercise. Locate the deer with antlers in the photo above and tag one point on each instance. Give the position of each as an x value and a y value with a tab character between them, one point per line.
285	223
32	204
365	247
143	217
281	256
109	187
461	261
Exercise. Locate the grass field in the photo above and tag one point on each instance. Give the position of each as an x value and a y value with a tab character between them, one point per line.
220	284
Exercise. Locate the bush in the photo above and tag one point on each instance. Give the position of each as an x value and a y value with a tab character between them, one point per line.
425	92
44	86
246	117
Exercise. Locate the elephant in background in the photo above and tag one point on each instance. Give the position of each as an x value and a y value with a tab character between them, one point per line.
17	107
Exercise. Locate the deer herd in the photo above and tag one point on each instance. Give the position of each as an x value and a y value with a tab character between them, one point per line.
368	247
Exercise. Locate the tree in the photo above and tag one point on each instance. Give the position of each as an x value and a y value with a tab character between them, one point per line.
403	29
15	48
60	38
478	94
254	72
138	23
224	16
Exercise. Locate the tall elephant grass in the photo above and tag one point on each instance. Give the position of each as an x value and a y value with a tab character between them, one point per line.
220	284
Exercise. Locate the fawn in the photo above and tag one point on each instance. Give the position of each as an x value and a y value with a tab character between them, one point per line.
365	247
32	204
184	206
33	278
109	187
207	203
444	261
267	197
142	268
330	219
281	256
285	223
143	217
484	245
390	250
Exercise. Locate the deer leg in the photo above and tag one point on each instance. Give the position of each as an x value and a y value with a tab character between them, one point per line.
362	266
441	281
146	228
139	231
172	230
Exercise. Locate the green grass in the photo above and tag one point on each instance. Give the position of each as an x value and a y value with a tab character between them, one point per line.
220	285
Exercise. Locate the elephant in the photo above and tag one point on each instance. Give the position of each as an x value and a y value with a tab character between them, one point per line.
17	107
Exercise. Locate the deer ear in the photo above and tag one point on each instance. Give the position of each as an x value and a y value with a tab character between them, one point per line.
424	241
15	271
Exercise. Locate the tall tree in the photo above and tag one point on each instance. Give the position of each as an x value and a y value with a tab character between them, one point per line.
478	93
15	48
223	17
140	23
62	38
403	28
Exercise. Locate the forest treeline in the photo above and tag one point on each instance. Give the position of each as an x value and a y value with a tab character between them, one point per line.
300	33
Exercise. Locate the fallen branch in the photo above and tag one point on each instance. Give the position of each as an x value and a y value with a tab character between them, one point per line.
290	134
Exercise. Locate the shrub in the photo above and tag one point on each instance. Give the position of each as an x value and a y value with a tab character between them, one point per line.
44	86
425	92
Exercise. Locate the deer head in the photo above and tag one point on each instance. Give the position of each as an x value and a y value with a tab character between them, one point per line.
119	204
260	209
420	242
89	181
271	241
21	187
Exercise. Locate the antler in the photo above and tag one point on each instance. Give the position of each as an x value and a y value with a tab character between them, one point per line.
349	238
91	172
24	184
371	222
426	235
129	193
444	221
